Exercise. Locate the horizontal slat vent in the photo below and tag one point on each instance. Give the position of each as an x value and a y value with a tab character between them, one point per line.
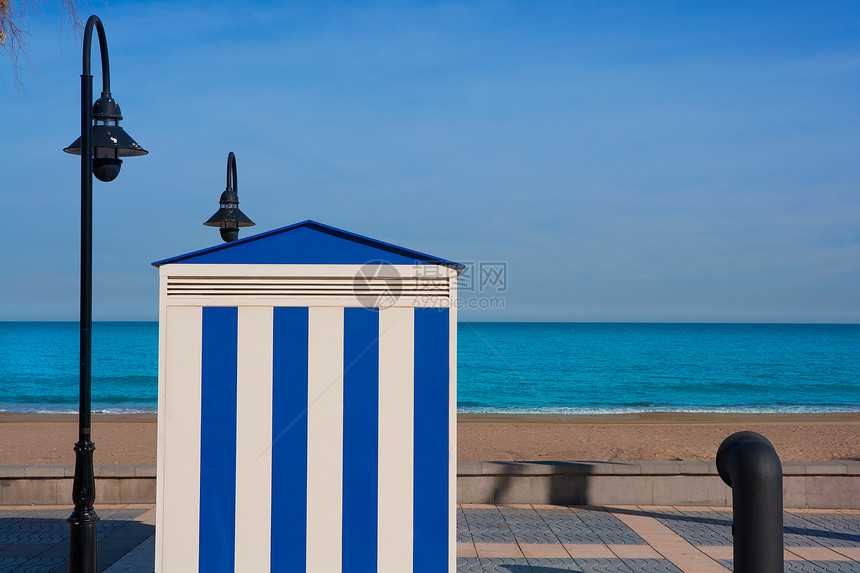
315	287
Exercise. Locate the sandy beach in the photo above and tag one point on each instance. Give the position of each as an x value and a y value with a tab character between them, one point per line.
652	436
131	438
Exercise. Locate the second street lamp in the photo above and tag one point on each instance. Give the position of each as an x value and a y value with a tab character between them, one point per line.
101	144
229	217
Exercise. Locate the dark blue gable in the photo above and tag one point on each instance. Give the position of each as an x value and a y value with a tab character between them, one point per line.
307	243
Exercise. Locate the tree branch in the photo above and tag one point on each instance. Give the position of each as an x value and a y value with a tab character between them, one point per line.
14	32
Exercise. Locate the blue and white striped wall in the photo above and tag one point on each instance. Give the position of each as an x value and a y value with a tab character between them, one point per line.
304	433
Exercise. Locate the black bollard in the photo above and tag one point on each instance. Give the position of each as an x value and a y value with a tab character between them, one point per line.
749	465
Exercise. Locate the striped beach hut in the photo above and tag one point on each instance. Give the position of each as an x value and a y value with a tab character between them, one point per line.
306	406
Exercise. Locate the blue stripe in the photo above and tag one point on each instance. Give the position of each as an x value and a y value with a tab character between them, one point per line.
218	440
289	439
360	439
430	506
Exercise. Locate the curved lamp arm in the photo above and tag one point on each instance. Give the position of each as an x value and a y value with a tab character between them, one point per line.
94	21
231	170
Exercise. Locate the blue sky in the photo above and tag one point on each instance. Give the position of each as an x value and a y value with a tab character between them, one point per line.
629	161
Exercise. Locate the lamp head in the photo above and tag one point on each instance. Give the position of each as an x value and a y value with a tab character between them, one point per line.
110	141
229	217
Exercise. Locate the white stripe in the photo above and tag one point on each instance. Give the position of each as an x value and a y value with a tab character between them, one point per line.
253	440
325	440
452	429
396	421
181	434
159	471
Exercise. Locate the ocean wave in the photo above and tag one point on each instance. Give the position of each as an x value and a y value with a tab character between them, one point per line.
583	411
597	411
42	410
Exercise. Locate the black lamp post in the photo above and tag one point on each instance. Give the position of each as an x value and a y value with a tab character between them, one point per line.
103	142
229	217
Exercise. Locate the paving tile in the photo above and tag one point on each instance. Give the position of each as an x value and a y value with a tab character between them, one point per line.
466	550
720	523
828	529
11	524
818	554
486	525
566	526
811	566
10	563
797	532
669	544
141	559
33	537
527	525
634	551
697	527
689	553
463	534
833	529
468	565
32	564
108	558
718	552
652	531
651	566
491	550
852	553
728	553
557	565
603	566
607	527
839	566
22	549
509	539
544	550
505	565
787	554
801	528
589	551
691	560
37	539
56	550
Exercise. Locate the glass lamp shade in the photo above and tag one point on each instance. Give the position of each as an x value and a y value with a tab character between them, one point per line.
229	217
109	140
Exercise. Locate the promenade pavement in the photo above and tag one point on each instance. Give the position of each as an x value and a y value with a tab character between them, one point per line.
493	539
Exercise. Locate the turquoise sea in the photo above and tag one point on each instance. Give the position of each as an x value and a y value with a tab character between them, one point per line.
505	367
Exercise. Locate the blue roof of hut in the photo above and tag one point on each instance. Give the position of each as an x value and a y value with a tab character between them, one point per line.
308	242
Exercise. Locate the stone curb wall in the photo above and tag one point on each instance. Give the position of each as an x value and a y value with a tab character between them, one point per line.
42	484
825	485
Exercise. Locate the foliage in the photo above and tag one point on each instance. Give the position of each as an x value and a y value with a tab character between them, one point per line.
13	27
